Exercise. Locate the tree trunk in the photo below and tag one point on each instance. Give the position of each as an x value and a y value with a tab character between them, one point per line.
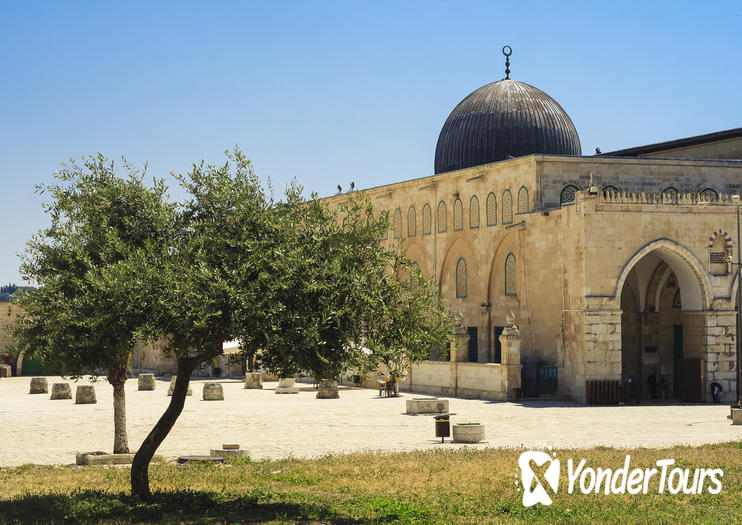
117	378
140	465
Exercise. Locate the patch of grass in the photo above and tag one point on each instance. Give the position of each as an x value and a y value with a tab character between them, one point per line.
443	486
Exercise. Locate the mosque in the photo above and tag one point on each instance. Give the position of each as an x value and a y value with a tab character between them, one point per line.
616	266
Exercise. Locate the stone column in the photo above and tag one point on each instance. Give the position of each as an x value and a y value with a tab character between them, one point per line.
510	344
721	353
459	351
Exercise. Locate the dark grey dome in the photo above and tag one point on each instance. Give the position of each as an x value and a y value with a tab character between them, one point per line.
503	119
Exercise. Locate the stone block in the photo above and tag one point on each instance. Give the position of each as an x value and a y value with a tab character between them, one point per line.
426	405
146	382
5	370
253	380
286	386
61	391
736	416
103	458
39	386
468	433
213	392
230	446
222	453
85	395
327	390
171	388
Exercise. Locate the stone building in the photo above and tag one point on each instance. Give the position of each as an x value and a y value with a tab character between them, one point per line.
615	265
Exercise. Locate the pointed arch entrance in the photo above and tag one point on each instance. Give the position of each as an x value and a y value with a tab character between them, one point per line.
664	295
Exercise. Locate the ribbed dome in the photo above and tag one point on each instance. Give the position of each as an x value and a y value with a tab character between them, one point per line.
502	119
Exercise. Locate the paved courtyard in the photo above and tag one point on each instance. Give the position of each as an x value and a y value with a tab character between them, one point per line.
35	429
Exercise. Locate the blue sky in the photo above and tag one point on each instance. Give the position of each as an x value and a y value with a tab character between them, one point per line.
333	92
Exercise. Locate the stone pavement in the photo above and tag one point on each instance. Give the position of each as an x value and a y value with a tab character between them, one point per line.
35	429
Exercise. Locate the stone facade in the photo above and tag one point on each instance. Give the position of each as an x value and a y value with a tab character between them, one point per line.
626	280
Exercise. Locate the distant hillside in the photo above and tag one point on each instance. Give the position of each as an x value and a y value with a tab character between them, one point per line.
7	291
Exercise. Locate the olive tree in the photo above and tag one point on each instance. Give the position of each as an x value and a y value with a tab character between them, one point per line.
79	315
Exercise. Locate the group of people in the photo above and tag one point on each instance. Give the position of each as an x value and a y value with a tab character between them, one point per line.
662	388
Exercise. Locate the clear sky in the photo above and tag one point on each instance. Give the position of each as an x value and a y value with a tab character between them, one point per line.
333	92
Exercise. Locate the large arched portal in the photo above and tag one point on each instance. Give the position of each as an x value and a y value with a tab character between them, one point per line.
663	325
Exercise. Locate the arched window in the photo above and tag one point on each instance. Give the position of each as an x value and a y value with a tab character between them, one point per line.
709	195
369	219
510	284
442	217
491	209
671	190
523	200
610	187
461	278
474	212
411	222
458	215
427	219
397	224
507	207
384	216
568	194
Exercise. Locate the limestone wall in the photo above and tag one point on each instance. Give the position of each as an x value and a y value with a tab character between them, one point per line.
477	380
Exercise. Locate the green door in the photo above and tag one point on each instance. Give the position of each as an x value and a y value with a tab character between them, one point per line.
677	356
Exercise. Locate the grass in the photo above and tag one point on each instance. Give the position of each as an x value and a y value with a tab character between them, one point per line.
444	486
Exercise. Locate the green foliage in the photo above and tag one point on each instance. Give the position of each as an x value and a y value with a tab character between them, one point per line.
83	313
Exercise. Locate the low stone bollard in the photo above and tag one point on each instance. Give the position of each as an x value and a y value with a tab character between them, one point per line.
39	386
171	388
229	450
737	416
253	380
426	405
146	382
468	432
5	370
213	392
327	390
85	395
286	386
61	391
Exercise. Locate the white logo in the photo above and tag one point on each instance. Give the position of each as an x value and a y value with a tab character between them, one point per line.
534	490
540	472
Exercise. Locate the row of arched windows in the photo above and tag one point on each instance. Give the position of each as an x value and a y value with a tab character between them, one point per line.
567	194
523	206
510	281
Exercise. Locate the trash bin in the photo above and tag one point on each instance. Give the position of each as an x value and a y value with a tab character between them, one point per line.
442	426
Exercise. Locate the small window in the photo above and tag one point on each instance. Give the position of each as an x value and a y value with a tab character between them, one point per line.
507	207
442	217
461	278
523	200
397	224
672	190
427	219
384	216
411	222
510	284
491	210
676	303
458	215
568	194
474	212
